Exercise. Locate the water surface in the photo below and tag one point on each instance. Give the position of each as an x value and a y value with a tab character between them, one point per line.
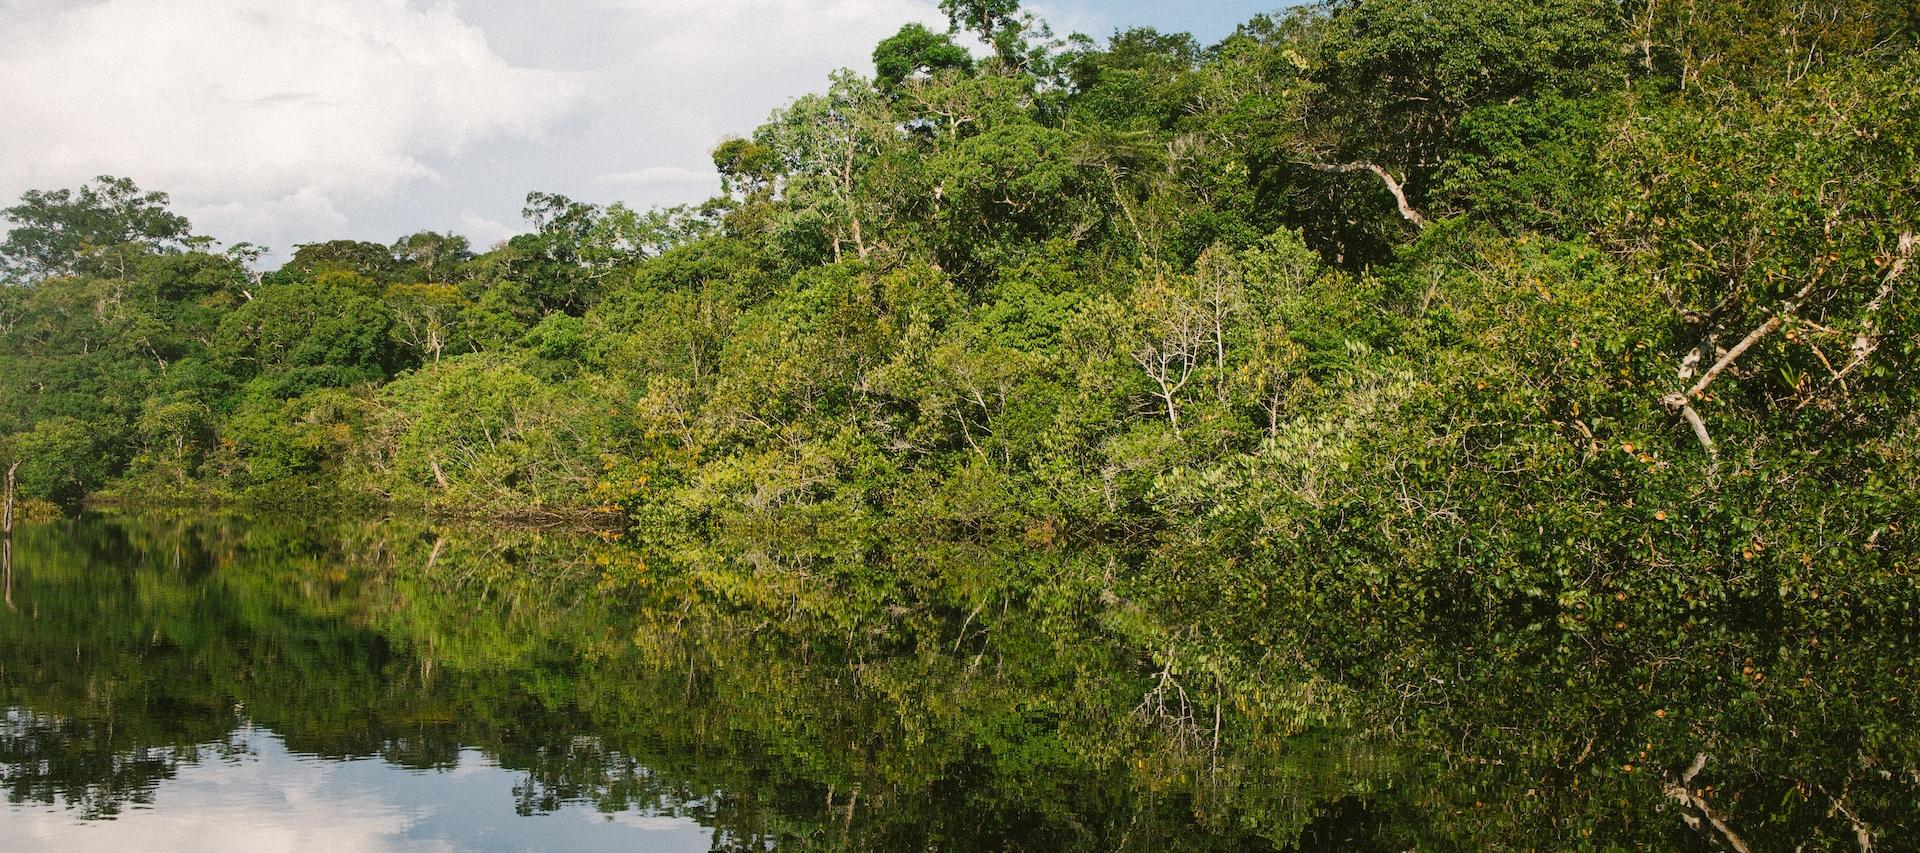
268	684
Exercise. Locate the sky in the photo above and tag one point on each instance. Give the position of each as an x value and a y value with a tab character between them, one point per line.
280	123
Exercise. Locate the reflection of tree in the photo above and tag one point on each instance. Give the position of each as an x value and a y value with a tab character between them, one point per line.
396	641
82	765
1785	729
959	697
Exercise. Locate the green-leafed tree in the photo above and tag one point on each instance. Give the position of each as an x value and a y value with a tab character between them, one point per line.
103	228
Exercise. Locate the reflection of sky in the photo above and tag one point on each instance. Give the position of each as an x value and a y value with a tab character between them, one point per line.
272	800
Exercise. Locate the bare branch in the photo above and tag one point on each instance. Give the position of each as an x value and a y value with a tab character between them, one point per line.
1679	793
1386	177
1862	833
1868	341
1682	401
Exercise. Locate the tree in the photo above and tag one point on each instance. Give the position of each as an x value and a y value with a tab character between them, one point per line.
100	229
746	167
299	337
917	50
1703	44
431	256
823	145
360	257
575	246
62	460
425	316
1395	78
1171	340
1005	27
1777	225
983	18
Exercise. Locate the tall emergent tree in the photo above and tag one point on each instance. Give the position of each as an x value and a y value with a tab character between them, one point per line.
97	230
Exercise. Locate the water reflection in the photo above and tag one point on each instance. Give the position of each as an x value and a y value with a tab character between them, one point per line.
252	793
392	684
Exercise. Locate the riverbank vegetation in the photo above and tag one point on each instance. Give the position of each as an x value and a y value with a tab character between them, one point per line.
1380	326
1397	250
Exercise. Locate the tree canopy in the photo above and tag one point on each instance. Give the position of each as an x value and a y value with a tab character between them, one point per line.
89	230
1527	324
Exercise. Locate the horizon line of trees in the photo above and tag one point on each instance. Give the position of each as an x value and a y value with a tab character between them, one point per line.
1528	323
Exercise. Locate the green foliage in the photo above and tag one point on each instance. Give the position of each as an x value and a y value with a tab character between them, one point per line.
294	338
999	23
270	440
917	50
61	460
1621	380
357	257
103	228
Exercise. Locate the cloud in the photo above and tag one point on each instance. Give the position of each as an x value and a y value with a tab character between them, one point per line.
260	117
671	78
484	233
281	123
670	177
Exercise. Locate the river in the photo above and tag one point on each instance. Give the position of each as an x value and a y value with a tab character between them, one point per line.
218	682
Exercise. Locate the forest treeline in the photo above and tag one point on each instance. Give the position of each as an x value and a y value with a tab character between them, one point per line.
1433	284
1405	344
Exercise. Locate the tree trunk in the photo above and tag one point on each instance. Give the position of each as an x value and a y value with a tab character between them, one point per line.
6	522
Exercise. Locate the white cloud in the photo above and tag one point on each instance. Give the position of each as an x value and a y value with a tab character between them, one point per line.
662	176
260	116
280	123
679	75
484	233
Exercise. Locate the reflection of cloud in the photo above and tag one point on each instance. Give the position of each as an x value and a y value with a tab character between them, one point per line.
249	806
269	800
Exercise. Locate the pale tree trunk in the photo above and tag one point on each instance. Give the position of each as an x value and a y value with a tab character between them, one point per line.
6	521
1865	343
1682	793
1170	366
6	540
1681	402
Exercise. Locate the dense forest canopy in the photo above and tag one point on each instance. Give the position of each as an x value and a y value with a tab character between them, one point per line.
1057	282
1552	318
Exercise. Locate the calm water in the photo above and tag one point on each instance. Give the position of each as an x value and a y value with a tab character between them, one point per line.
252	792
235	684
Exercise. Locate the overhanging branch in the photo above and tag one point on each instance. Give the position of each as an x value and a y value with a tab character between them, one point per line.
1681	402
1386	177
1681	793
